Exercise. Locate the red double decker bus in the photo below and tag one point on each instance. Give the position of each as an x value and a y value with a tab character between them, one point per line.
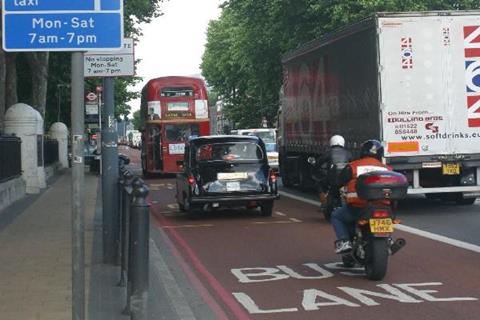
172	110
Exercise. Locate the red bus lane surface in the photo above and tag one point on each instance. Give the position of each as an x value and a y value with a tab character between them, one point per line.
250	267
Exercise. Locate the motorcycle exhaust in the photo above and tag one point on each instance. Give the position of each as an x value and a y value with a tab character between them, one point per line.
397	245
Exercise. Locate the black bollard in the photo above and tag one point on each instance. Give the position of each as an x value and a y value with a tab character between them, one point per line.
121	211
124	213
136	183
140	252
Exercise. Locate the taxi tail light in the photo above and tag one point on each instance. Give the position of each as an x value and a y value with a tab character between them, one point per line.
191	180
380	214
273	176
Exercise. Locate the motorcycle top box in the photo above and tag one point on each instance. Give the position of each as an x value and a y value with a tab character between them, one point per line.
379	185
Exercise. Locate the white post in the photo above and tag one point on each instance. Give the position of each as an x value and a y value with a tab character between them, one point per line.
59	132
23	121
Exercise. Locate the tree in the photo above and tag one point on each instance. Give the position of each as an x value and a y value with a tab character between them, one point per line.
137	122
242	59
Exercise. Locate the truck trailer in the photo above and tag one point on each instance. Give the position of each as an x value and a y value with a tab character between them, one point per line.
410	80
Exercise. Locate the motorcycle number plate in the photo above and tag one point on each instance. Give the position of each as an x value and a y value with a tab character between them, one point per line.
381	225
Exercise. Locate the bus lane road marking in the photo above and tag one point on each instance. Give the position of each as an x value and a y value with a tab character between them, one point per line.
404	228
313	299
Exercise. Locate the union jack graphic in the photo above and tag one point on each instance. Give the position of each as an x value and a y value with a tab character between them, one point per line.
472	73
406	52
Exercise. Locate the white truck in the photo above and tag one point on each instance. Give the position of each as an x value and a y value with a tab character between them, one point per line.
411	80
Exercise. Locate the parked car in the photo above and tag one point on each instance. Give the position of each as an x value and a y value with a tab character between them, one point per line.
226	171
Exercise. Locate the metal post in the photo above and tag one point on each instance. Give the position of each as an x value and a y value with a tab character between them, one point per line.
141	235
126	192
78	187
135	184
109	177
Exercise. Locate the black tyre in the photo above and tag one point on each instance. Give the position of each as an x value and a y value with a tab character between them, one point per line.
191	210
348	261
376	261
327	212
181	207
266	209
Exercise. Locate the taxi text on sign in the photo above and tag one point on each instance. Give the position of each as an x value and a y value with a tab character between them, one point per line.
59	25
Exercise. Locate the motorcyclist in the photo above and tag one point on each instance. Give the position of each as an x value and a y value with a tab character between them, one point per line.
328	167
343	219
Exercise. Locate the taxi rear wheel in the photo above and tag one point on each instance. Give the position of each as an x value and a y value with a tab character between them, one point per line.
266	209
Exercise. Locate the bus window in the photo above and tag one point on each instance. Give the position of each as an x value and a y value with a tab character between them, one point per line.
181	132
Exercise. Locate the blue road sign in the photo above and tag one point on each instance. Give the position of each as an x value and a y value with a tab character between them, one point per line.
60	25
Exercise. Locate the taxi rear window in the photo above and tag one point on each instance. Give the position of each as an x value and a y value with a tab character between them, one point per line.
229	151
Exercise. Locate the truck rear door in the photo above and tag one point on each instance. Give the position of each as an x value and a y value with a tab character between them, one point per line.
430	84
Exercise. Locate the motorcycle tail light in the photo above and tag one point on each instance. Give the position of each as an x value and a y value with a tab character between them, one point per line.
381	214
191	180
362	222
385	179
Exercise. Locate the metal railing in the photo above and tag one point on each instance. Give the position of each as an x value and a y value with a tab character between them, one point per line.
50	151
10	157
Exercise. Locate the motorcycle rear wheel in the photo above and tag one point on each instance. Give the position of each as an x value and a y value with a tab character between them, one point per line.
376	261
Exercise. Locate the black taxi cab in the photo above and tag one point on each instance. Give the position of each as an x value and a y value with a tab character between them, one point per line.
224	172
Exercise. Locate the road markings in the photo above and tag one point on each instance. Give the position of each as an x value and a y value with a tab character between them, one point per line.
275	222
404	228
437	237
296	220
357	297
278	213
188	226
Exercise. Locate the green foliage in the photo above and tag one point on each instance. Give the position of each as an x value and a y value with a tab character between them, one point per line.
137	122
242	59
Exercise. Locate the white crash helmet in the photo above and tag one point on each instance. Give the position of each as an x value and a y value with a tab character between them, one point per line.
337	140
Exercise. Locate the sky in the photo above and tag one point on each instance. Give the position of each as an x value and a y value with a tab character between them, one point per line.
173	44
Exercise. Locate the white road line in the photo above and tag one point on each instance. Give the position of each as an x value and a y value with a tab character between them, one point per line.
295	220
404	228
299	198
188	226
171	287
437	237
278	213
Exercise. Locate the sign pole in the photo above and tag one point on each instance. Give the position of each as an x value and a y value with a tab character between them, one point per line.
78	187
111	225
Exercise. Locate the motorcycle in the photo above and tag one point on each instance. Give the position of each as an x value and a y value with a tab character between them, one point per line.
372	240
335	194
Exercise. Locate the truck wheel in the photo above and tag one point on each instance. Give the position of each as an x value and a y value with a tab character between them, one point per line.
465	201
266	209
286	181
376	261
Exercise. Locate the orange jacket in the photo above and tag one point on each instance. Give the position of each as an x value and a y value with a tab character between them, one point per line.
360	167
